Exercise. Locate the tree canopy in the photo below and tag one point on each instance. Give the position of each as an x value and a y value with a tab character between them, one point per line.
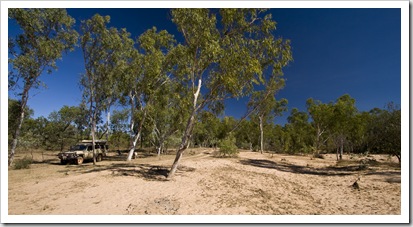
162	93
46	33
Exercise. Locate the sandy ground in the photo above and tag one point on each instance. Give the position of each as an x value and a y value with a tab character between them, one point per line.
252	183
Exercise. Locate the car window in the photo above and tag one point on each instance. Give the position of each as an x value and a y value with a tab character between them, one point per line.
78	147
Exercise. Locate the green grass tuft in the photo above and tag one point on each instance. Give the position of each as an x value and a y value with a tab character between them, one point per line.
23	163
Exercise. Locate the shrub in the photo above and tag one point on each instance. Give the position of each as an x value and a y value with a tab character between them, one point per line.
227	146
23	163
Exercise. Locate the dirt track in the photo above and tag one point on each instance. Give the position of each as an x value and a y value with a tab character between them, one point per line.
253	183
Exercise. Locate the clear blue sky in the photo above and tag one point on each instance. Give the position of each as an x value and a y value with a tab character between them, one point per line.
335	51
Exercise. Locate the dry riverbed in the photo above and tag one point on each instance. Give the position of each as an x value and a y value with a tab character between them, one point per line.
252	183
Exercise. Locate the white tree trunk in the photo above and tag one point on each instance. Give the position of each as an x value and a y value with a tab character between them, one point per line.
93	119
132	150
187	134
184	145
133	137
107	124
138	137
317	145
25	97
16	135
159	151
261	134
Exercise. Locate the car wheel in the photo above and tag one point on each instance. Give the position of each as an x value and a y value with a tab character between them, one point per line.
63	162
79	160
99	158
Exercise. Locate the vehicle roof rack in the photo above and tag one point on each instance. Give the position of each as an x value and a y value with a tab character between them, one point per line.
96	141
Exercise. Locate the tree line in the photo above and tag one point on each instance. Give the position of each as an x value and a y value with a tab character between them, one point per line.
316	130
172	92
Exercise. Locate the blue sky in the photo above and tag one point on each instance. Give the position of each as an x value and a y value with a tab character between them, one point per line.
336	51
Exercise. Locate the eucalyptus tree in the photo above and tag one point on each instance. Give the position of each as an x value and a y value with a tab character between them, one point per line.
276	138
247	134
322	119
13	116
81	120
64	124
267	107
40	132
13	120
166	114
146	74
105	51
120	127
300	131
226	126
224	56
207	130
384	130
344	111
358	136
46	33
130	94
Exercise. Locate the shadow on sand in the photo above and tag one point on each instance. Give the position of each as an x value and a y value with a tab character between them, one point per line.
145	171
292	168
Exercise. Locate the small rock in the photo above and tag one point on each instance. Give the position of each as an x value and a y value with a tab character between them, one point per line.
356	185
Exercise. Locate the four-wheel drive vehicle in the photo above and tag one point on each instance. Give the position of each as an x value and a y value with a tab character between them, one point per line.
84	151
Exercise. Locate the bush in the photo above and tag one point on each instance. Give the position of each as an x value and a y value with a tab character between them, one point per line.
227	146
23	163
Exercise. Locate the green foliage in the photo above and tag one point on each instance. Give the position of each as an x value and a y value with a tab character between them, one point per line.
359	132
264	107
385	131
119	120
226	53
173	141
13	116
63	126
340	126
46	34
299	132
23	163
119	140
226	126
344	112
247	134
103	52
61	129
322	120
164	109
275	139
207	130
335	125
227	146
106	52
